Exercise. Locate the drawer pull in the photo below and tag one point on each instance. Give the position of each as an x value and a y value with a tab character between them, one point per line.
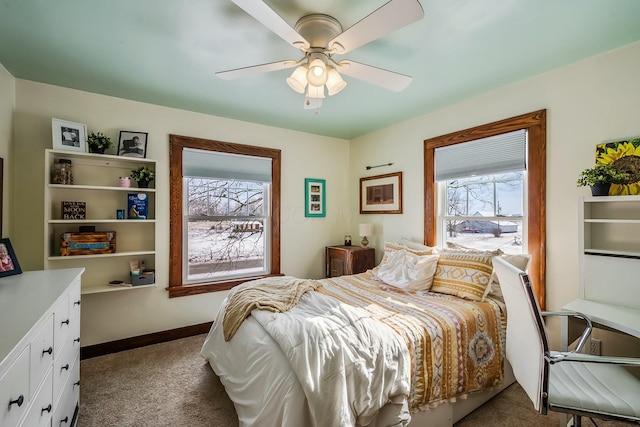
77	383
65	322
49	350
47	409
65	367
64	420
77	302
19	401
77	340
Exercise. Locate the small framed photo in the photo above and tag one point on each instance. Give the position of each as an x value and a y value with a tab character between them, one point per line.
69	135
314	197
132	144
8	261
381	194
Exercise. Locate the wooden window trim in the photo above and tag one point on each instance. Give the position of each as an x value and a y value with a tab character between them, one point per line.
536	125
176	144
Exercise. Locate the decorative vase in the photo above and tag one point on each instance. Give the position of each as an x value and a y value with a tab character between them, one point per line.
600	189
143	184
97	150
125	181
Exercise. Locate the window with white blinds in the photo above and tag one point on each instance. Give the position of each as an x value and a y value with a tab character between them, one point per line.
496	154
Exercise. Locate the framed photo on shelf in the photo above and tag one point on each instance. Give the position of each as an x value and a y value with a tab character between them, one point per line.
314	198
69	135
132	144
381	194
8	261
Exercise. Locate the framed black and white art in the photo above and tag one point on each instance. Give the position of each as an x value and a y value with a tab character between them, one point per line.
132	144
69	135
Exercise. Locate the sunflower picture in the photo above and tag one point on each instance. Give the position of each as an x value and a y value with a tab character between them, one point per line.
624	156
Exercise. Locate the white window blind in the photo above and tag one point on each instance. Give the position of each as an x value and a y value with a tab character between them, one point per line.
216	165
492	155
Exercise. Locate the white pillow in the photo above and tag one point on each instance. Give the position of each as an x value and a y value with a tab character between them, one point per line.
414	245
406	270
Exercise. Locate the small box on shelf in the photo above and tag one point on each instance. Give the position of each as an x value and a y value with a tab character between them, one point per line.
87	243
147	277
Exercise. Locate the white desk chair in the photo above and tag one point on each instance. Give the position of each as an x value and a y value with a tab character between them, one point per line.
570	382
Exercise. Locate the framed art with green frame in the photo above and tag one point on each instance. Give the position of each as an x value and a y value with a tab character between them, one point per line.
314	198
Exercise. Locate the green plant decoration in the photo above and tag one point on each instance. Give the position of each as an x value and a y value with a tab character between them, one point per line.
98	141
602	174
142	173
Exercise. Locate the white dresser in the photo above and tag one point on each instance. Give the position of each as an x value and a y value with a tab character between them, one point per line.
40	348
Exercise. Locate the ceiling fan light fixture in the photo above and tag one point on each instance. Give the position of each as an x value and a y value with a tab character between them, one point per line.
298	79
315	91
317	74
335	83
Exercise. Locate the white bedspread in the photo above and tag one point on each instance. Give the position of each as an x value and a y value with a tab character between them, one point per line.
349	364
329	364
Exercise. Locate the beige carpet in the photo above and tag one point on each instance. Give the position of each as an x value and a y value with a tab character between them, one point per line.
169	384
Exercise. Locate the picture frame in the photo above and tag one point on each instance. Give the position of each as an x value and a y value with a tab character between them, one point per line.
132	144
9	264
381	194
314	198
69	136
621	155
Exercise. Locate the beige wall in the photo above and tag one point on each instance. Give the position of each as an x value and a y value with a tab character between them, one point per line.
117	315
7	105
587	103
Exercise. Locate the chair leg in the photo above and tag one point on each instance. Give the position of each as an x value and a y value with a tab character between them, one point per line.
577	421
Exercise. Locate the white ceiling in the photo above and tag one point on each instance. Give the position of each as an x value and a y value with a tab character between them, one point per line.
166	52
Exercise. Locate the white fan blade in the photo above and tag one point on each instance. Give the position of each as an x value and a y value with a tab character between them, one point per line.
270	19
390	17
377	76
255	70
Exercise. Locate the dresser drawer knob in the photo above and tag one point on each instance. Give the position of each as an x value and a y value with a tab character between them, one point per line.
19	401
65	322
47	409
64	420
77	302
49	350
65	367
77	383
77	340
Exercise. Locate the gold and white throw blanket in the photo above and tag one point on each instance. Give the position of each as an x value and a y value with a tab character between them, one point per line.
277	294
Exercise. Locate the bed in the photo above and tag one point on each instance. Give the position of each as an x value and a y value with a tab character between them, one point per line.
357	350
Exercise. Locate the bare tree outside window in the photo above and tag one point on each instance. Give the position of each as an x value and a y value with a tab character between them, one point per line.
226	226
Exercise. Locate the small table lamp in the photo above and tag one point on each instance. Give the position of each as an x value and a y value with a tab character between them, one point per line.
365	230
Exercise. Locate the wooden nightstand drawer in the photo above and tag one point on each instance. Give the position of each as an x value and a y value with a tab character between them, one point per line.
345	260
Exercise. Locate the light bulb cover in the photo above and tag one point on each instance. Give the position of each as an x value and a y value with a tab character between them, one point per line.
366	229
298	79
317	72
315	91
335	83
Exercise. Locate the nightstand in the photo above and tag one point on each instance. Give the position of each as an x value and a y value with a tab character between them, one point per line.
345	260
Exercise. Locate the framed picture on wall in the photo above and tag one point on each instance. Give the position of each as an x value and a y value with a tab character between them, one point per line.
314	197
132	144
8	261
381	194
69	135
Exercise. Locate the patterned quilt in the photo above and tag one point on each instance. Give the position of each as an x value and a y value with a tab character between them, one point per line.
456	346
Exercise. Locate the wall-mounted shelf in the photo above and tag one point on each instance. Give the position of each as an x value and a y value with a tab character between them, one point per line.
96	182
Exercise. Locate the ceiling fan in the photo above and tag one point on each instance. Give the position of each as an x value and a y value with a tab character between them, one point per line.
319	37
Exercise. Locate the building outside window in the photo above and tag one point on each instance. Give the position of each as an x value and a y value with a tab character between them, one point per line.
485	212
